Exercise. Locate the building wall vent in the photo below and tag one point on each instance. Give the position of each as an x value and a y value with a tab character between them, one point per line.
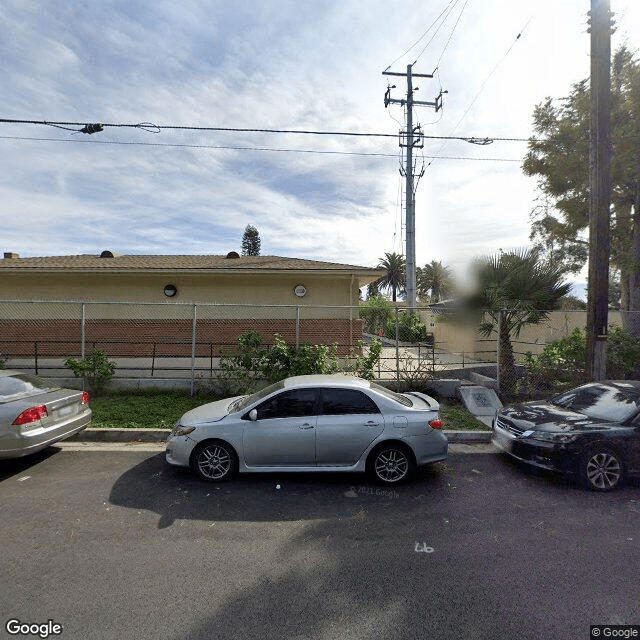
109	254
232	255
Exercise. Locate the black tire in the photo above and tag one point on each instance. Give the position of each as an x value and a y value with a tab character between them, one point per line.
214	461
391	463
601	469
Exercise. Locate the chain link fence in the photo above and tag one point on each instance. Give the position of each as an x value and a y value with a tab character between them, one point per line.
180	345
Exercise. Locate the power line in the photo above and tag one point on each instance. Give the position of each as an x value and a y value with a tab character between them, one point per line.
452	32
486	80
154	128
239	148
449	8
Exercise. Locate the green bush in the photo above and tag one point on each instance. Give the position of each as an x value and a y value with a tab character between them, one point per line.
562	364
255	363
364	364
375	312
410	328
96	370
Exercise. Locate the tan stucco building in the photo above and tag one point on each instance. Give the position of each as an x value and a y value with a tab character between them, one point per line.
147	298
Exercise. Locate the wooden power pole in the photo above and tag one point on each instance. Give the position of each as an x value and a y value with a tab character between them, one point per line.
600	188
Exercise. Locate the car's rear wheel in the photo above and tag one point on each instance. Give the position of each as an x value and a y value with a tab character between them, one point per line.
214	461
391	464
601	469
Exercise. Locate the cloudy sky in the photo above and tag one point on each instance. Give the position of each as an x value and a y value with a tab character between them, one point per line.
276	64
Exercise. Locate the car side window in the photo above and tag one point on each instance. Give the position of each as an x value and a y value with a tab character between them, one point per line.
296	403
339	402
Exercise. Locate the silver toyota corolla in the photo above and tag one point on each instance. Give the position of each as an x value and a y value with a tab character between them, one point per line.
35	413
311	423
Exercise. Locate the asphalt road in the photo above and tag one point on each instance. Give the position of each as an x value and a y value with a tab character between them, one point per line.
116	545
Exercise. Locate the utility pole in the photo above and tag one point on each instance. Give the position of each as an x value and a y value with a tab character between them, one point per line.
600	188
410	138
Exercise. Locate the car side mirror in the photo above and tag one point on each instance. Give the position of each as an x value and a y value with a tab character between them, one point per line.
253	415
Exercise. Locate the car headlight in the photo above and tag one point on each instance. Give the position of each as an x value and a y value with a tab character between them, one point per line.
547	436
179	430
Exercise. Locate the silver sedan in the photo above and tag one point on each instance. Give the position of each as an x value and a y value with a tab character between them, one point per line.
311	423
35	413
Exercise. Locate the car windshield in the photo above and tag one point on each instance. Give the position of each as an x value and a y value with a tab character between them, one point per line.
392	395
601	401
242	403
21	385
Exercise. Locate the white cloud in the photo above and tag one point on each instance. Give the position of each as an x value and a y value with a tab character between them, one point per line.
273	65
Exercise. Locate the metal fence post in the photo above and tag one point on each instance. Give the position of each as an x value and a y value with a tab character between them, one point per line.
498	349
193	349
82	330
397	351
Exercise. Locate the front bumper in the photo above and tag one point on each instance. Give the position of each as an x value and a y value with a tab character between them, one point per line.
179	450
544	455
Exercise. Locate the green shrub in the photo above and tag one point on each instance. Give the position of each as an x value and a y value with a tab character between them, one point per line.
376	311
96	370
255	363
411	328
562	364
364	364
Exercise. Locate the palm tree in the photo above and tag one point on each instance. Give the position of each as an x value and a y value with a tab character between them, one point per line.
433	281
394	279
515	289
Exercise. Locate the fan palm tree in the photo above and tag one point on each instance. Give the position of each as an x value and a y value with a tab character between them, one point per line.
394	279
433	281
515	289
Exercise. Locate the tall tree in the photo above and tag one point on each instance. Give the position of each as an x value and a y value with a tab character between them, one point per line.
515	289
250	241
434	281
395	266
559	157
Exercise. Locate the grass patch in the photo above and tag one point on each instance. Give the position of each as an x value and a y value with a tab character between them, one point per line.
162	409
457	418
159	410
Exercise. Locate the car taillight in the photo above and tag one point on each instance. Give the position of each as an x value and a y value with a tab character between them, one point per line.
85	397
31	415
436	423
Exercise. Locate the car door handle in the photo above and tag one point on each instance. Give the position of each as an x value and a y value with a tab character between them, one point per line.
306	425
371	423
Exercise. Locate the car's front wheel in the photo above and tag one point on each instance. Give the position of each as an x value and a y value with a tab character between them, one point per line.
391	464
214	461
601	469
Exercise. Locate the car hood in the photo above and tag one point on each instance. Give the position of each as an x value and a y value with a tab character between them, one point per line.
206	413
544	416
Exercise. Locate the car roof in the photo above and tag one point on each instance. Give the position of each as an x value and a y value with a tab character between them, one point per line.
326	380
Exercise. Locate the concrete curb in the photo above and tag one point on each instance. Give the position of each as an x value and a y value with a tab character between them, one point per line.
160	435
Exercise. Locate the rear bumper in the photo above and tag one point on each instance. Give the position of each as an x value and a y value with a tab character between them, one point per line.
429	448
27	441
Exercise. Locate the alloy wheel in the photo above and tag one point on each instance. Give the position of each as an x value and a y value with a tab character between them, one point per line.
391	465
603	470
214	462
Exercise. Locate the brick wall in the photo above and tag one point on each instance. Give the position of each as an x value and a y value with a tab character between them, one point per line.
163	338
